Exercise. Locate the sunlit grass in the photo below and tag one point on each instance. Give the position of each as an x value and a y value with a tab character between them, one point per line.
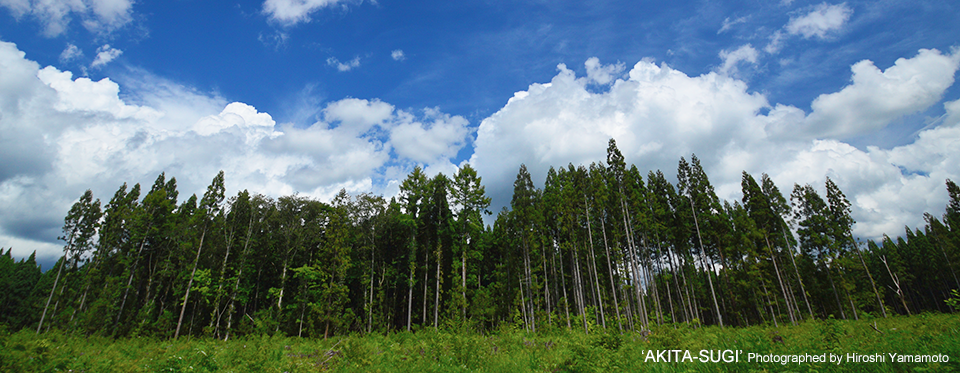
508	350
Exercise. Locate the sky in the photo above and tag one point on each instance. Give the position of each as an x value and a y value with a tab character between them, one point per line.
315	96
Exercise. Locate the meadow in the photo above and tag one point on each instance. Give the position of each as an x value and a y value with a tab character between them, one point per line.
455	349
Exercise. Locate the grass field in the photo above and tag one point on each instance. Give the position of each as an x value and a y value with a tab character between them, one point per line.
552	350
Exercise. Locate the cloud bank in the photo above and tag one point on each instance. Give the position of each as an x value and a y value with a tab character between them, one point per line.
64	135
658	114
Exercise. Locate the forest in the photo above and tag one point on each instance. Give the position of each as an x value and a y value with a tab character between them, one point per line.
599	247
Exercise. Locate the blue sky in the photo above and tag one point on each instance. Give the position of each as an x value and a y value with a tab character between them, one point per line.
311	96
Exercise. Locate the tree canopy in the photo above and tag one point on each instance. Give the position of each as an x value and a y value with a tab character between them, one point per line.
598	246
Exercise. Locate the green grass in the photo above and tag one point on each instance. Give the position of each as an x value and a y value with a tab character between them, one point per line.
552	350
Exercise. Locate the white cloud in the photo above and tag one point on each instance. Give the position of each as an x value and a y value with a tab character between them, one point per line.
105	54
952	116
100	16
600	74
875	98
439	138
656	115
728	24
276	40
357	116
776	42
66	134
659	114
254	124
70	53
343	67
398	55
292	12
821	20
745	53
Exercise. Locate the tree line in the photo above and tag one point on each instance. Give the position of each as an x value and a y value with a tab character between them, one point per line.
599	246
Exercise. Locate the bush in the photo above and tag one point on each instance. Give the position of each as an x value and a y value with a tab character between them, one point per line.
515	351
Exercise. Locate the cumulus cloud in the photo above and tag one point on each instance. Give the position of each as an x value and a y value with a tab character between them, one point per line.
70	53
952	115
100	16
398	55
105	54
65	134
68	134
602	74
658	114
875	98
292	12
820	21
731	59
440	137
358	116
344	66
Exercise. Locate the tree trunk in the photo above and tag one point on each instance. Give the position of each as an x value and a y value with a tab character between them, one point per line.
546	285
523	304
283	286
613	285
682	290
703	251
54	289
776	268
563	286
896	282
836	294
797	272
856	248
632	252
236	285
426	273
436	306
370	303
186	297
86	288
853	307
769	303
593	266
412	266
947	259
528	281
133	271
215	318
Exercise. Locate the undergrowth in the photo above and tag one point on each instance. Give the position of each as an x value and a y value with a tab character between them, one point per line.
507	350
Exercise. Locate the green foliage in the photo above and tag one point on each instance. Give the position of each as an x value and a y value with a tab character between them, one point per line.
608	341
598	249
954	302
458	350
831	333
